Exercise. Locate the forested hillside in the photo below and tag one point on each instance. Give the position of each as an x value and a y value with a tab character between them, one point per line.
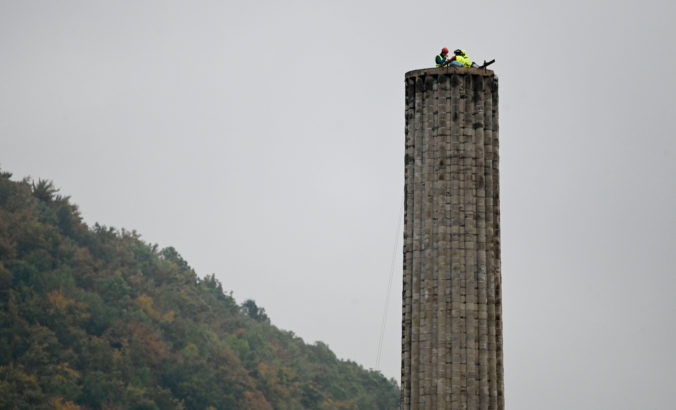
93	317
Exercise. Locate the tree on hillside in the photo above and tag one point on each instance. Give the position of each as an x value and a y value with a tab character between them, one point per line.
251	309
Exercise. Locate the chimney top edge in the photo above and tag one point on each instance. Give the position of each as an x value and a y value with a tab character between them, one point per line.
449	70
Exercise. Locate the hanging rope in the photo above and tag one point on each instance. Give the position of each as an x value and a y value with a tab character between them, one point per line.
400	218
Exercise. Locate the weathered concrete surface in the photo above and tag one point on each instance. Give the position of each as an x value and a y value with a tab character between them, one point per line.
452	317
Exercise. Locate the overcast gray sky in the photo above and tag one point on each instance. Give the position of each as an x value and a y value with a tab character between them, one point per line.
264	141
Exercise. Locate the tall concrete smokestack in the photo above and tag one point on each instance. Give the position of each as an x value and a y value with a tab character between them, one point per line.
452	315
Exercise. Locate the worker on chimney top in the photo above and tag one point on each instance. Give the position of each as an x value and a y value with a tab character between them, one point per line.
462	58
442	60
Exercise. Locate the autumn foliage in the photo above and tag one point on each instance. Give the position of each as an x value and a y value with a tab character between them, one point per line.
95	318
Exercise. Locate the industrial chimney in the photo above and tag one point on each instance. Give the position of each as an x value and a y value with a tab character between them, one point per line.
452	315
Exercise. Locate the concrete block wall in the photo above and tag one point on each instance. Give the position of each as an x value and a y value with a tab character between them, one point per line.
452	317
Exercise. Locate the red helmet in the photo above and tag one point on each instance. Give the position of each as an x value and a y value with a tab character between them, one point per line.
444	50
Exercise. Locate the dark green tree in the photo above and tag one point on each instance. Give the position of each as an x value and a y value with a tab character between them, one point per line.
252	310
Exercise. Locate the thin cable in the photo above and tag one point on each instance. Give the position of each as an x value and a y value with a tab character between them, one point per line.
389	284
